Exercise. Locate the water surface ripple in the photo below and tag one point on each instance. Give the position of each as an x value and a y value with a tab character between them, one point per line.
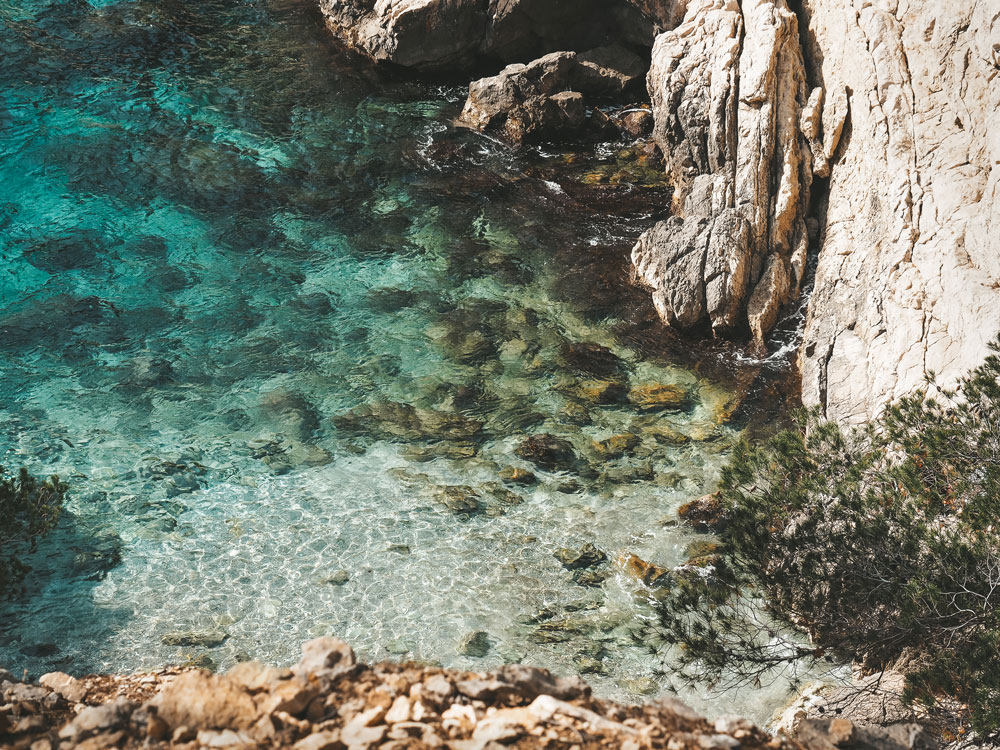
281	325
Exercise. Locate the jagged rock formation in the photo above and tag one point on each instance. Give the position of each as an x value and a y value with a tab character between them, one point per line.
738	129
909	269
548	96
442	34
329	701
891	101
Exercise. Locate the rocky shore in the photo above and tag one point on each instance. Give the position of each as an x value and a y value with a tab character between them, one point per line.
330	701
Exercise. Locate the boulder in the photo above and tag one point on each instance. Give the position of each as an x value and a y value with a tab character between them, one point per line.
455	34
587	556
326	658
94	720
68	687
609	72
548	451
704	514
547	97
200	699
646	572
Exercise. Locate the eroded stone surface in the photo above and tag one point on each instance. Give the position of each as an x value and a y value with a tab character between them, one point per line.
729	91
438	34
909	270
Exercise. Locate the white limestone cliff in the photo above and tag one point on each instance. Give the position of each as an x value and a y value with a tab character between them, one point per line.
908	279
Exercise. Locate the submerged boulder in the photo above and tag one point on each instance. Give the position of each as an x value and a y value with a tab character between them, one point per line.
548	451
587	556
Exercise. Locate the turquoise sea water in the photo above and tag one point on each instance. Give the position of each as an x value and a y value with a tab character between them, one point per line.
281	324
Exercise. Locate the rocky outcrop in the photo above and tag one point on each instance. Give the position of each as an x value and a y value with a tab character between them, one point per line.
447	34
737	127
548	97
908	279
896	112
329	701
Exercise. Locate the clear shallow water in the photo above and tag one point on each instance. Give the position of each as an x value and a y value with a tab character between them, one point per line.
218	236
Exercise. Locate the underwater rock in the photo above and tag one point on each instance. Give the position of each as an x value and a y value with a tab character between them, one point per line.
661	433
338	578
601	392
671	479
148	372
450	450
657	396
705	514
548	451
476	644
590	358
202	638
460	499
102	553
517	475
648	573
574	413
504	497
591	578
587	556
180	484
393	420
40	650
296	454
390	299
616	445
290	411
513	417
628	473
589	665
640	685
80	249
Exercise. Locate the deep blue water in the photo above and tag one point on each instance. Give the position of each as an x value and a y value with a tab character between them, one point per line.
219	235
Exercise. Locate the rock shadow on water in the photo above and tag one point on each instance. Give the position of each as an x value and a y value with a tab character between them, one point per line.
54	623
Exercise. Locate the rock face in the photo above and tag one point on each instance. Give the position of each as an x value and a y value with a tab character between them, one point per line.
890	101
732	117
440	34
908	278
330	702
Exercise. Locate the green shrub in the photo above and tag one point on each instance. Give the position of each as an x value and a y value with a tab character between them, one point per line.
878	544
29	508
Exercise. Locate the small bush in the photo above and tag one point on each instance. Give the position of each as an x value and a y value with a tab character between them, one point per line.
878	544
29	508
